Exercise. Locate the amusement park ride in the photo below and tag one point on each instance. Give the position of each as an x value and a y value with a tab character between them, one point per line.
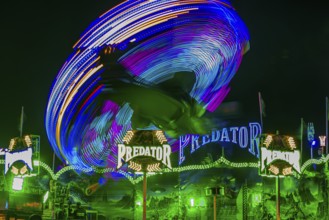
117	96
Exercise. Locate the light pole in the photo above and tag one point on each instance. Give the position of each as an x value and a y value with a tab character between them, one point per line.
144	194
277	197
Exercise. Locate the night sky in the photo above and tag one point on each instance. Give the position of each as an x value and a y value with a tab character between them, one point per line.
288	61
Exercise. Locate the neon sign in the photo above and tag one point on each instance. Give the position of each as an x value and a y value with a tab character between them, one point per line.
25	156
268	156
160	153
242	136
279	156
19	149
322	141
141	144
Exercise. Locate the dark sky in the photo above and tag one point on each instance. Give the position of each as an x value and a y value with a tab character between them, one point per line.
288	60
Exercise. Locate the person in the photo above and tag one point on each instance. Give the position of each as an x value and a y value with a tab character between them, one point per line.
79	212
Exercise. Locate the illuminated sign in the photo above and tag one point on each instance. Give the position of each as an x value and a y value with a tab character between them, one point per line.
160	153
17	183
18	156
268	156
141	144
278	156
25	156
322	141
243	136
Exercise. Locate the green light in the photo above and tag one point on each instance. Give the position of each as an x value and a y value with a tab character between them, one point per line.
36	162
17	183
256	199
45	197
192	202
202	202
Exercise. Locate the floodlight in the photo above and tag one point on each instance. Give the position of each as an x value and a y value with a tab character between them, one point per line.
192	202
17	183
23	170
14	170
36	162
45	197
